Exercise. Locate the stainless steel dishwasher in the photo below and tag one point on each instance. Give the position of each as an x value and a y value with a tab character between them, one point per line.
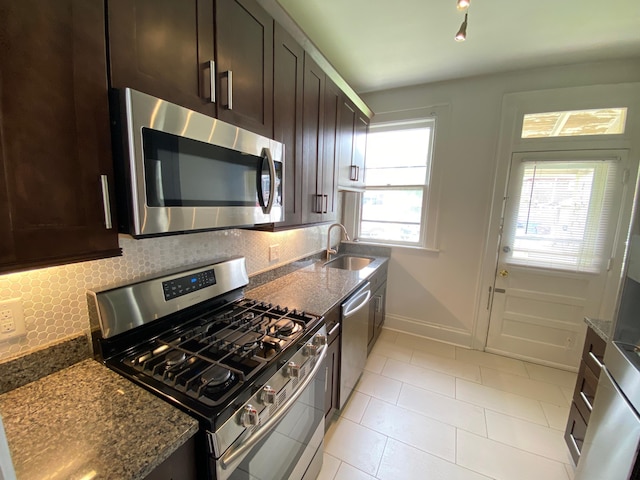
355	320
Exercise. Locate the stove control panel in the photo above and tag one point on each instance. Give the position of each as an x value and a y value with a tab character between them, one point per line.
178	287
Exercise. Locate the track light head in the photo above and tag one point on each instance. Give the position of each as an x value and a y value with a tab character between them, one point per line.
461	36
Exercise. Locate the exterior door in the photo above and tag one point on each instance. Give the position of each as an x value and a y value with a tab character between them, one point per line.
561	221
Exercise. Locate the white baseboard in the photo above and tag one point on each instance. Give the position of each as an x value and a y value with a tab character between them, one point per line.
454	336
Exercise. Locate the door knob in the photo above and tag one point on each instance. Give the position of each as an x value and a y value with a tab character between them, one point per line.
506	249
503	273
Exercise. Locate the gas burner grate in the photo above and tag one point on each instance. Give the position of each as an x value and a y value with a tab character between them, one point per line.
240	339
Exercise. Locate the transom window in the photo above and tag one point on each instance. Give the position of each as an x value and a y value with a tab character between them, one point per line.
574	123
398	162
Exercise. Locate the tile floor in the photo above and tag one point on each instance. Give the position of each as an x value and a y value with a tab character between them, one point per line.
428	410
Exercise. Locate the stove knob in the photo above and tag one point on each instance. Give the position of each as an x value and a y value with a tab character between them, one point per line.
249	417
268	395
310	350
293	370
320	340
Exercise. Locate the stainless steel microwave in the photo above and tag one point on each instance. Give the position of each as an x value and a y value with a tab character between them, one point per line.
181	171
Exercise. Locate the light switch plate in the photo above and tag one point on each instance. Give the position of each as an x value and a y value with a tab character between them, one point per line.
11	319
274	252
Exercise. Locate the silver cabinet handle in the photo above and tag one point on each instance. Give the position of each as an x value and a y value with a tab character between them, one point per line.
596	359
334	329
104	181
586	401
229	104
233	453
212	80
354	173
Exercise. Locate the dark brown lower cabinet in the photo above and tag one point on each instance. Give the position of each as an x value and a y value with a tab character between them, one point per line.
332	369
180	465
584	392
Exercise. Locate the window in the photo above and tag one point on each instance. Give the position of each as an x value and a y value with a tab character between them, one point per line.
398	163
603	121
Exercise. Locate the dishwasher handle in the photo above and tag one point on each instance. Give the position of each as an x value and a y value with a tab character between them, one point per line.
357	302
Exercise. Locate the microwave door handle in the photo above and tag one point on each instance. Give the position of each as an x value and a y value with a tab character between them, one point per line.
266	154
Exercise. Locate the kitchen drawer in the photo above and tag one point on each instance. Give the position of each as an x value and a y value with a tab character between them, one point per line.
575	432
585	390
593	352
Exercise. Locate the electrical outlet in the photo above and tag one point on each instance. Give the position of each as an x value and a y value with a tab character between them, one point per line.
11	319
274	252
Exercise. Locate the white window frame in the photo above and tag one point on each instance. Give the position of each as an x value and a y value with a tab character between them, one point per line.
439	115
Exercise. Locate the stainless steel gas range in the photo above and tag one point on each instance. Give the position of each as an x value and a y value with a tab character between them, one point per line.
252	373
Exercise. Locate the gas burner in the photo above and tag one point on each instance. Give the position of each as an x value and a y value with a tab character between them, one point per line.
216	380
174	357
215	376
284	327
239	339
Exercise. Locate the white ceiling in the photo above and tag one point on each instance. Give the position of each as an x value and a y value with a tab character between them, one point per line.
381	44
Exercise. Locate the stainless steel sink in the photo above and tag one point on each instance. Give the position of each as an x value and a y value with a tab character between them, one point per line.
349	262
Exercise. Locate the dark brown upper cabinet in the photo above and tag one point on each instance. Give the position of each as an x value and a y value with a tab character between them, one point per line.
352	140
288	74
361	130
55	155
332	101
164	48
314	200
321	103
244	36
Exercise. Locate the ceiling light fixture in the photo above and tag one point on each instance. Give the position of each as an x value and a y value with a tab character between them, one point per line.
463	4
461	36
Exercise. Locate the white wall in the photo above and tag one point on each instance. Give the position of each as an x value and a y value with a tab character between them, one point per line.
436	294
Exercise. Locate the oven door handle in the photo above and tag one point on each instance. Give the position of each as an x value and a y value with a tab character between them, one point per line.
235	452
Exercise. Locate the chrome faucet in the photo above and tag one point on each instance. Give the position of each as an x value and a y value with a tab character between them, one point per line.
329	249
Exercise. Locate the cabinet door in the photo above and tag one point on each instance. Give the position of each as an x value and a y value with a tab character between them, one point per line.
313	202
332	101
377	309
332	384
361	128
288	73
244	33
346	136
54	127
163	48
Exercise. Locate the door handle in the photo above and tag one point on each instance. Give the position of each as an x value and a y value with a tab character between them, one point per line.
503	273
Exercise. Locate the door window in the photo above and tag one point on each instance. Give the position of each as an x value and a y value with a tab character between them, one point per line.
561	214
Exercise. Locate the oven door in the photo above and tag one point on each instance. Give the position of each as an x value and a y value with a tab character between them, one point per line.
288	445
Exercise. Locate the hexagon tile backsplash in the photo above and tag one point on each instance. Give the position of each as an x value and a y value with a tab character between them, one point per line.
53	299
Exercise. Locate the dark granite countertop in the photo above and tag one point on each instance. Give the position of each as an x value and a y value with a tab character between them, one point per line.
601	327
315	288
88	422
